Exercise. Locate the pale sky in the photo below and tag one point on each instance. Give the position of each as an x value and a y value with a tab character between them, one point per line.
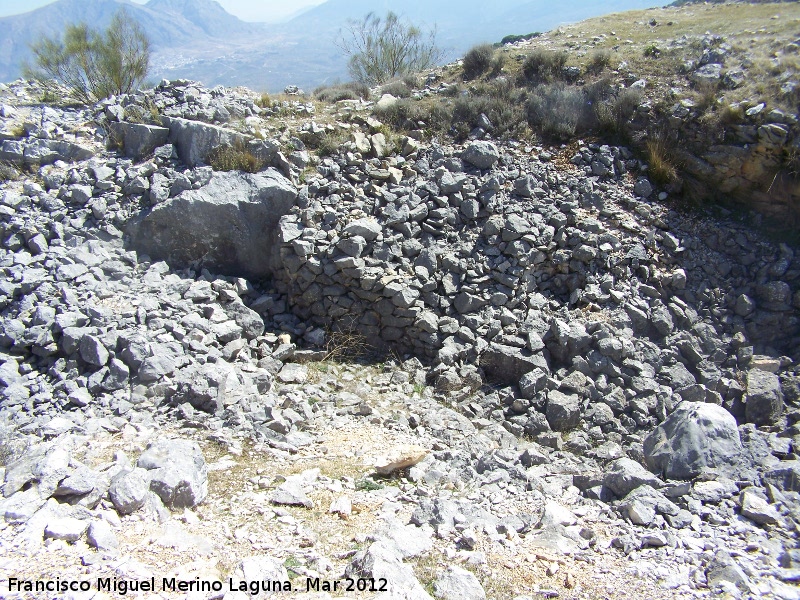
266	11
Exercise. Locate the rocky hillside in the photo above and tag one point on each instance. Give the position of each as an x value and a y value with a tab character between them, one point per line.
251	342
198	39
707	95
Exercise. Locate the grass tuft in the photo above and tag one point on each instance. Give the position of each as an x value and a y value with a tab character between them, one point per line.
661	164
234	157
598	61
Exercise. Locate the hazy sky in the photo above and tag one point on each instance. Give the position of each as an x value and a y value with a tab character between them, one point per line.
248	10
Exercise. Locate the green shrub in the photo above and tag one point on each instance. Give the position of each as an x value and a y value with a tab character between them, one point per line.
544	65
330	143
147	113
411	80
477	60
264	101
92	64
234	157
381	49
598	61
614	111
731	114
398	89
501	102
513	39
498	62
452	91
559	111
652	50
408	114
50	97
343	91
707	95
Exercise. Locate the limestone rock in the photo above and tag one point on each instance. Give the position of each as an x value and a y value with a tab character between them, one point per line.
177	471
128	490
696	438
231	224
400	458
139	140
458	584
483	155
764	399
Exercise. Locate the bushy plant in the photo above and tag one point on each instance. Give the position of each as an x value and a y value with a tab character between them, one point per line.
452	91
558	111
598	61
707	95
234	157
343	91
501	102
477	60
652	51
329	143
544	65
94	64
614	110
498	62
146	113
407	114
381	49
398	89
513	39
264	101
731	114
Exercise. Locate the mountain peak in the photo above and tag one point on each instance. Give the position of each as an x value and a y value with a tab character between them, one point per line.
208	15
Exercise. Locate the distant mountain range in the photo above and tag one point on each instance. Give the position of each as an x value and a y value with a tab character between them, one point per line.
198	39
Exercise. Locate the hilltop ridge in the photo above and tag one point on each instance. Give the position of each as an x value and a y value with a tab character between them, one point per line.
197	39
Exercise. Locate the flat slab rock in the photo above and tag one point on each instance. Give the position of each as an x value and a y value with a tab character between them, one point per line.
231	224
401	457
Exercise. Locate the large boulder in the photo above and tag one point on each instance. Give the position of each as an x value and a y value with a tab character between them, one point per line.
764	400
625	475
696	438
381	561
785	476
563	411
138	139
195	140
507	364
230	224
178	472
43	152
481	154
458	584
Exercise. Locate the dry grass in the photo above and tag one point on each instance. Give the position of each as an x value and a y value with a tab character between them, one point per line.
330	143
754	32
661	164
234	157
706	96
9	172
